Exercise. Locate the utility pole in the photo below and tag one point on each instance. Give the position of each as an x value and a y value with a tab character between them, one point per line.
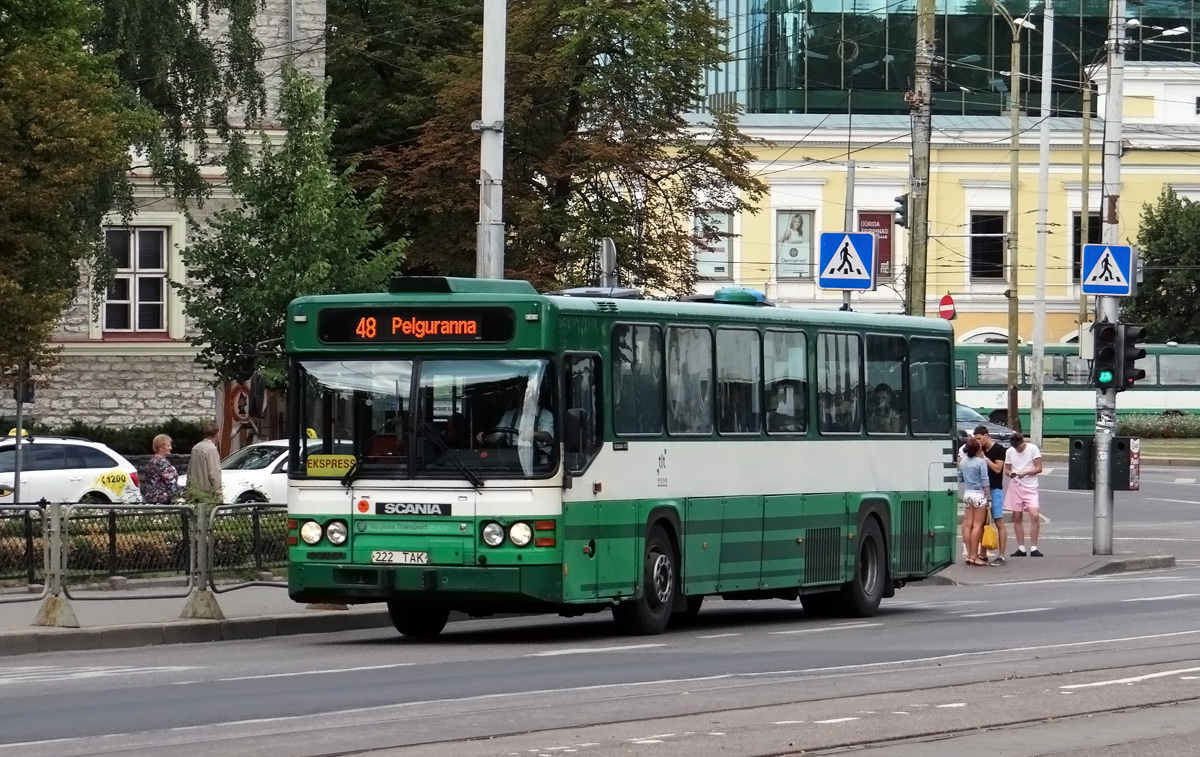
1085	188
849	221
22	377
922	118
1037	375
489	234
1014	218
1107	307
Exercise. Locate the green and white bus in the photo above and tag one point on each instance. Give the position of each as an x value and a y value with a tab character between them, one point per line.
476	446
1172	384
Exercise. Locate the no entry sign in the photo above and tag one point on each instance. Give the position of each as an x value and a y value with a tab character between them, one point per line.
946	309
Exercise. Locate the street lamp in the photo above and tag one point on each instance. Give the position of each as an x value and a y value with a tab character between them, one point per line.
1014	106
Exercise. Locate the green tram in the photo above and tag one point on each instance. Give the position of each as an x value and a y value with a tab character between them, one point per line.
472	445
1172	384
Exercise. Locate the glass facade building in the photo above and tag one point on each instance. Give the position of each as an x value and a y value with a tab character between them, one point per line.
856	56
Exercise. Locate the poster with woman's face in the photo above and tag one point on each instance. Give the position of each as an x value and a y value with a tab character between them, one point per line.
793	244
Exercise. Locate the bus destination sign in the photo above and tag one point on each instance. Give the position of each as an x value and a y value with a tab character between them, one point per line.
387	324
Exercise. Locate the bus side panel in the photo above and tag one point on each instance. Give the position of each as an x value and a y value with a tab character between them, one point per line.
783	546
825	543
943	524
741	543
581	568
620	567
702	545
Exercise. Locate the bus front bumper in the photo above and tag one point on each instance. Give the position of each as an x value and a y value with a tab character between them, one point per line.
449	584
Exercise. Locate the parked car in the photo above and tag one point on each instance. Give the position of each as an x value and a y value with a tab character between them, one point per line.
67	469
256	473
969	419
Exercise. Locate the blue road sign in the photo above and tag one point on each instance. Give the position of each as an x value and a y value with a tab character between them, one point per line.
1108	270
847	261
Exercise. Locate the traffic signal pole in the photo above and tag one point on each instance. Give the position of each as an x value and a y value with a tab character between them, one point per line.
1107	307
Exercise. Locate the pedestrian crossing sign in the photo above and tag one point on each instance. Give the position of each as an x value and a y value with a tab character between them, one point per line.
847	261
1108	270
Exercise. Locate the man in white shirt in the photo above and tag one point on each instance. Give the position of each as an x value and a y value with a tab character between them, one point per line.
1022	464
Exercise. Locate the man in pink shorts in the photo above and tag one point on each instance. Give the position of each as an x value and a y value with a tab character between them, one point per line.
1022	464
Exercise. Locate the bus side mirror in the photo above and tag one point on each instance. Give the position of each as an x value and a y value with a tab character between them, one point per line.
575	422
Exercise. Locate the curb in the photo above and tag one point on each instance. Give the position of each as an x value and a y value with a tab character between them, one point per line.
189	631
1101	567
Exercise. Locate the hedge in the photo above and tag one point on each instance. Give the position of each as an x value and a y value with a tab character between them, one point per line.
132	440
1169	425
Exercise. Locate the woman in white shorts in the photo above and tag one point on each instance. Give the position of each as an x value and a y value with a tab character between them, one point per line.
975	500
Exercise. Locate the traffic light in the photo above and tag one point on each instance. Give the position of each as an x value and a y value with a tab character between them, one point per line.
902	210
1129	353
1105	363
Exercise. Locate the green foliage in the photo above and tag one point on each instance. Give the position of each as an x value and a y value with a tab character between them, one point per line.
1169	245
298	230
1165	426
132	440
65	127
599	142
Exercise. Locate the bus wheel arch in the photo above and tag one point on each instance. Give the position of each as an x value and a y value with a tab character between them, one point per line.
649	612
860	596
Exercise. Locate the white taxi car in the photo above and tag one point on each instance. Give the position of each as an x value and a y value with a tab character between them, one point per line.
66	469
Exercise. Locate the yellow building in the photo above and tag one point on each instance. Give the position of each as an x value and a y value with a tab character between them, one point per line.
804	159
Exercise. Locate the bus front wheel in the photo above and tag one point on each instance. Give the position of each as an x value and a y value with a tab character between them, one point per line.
860	597
649	614
420	621
999	417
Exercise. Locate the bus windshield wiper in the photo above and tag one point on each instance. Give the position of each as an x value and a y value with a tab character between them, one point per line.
352	472
463	468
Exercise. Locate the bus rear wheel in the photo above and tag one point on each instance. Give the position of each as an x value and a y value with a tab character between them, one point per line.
999	417
649	614
416	619
861	596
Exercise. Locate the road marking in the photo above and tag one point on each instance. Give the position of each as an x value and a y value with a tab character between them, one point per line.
48	673
314	672
1049	471
955	704
1184	481
718	636
827	628
1134	679
656	739
1155	599
787	722
1005	612
1177	501
591	650
834	720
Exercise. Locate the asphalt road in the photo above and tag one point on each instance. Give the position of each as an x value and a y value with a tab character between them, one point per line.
1106	665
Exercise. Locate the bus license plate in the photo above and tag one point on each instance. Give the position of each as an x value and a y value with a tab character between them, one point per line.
400	558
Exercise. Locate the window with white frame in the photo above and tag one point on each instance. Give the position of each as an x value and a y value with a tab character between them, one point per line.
987	246
1094	234
712	239
137	297
793	235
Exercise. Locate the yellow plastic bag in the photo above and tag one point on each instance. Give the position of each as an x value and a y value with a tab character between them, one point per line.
991	539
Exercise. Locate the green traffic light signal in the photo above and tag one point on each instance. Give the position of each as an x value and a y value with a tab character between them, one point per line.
1105	378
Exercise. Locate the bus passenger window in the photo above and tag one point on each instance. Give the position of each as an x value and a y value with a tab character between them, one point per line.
785	382
738	369
839	387
929	389
637	379
887	372
689	381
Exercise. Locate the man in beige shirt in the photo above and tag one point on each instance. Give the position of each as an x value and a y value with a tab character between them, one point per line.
204	466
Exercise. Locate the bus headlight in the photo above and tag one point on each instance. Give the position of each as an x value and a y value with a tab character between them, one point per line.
310	532
520	533
336	532
493	534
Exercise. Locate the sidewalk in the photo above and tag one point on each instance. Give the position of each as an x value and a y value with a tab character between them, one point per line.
252	613
1162	462
1047	568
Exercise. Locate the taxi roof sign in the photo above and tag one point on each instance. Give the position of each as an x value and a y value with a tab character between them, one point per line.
13	432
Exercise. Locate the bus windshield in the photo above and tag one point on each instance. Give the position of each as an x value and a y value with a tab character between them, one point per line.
436	418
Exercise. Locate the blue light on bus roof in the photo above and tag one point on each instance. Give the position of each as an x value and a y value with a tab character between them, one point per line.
740	296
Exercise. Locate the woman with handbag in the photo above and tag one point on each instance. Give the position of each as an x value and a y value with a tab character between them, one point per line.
975	499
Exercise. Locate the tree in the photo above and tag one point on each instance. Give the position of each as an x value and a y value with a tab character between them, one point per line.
599	142
1169	247
298	229
65	127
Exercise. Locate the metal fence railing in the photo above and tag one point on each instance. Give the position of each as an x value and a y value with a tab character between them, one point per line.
105	541
23	550
245	541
